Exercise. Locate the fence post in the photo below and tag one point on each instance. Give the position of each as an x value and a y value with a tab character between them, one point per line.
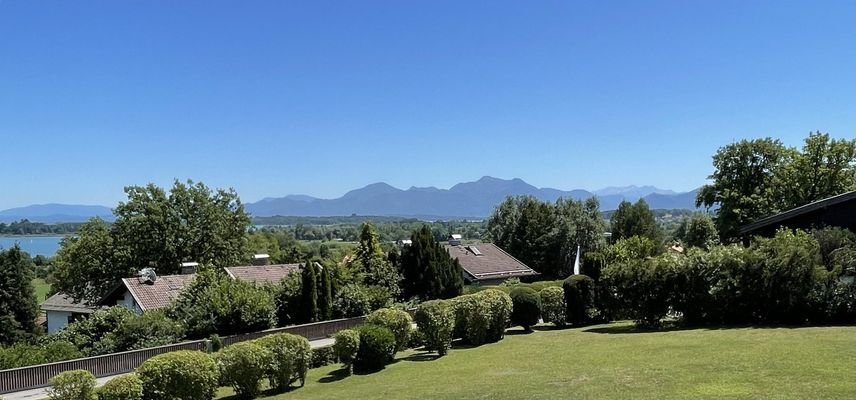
209	346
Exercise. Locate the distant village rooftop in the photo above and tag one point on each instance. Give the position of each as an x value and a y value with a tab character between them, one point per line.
486	263
261	274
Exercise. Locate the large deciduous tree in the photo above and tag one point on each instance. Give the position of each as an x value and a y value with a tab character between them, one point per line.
428	270
154	229
18	309
635	220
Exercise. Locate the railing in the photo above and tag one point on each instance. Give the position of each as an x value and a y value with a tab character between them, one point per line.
36	376
313	331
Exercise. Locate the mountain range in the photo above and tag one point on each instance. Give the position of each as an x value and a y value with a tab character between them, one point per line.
464	200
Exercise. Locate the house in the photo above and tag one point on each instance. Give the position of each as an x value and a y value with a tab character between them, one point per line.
262	274
61	310
486	263
838	211
455	239
148	291
404	242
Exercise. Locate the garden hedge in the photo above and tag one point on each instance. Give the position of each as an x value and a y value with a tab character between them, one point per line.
291	356
123	387
184	374
579	299
397	321
346	345
73	385
377	348
436	321
526	309
243	366
553	305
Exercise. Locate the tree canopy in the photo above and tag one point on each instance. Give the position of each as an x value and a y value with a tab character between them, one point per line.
428	270
635	220
18	309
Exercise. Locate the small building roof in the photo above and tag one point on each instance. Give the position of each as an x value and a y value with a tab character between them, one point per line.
64	303
488	261
837	210
158	294
260	274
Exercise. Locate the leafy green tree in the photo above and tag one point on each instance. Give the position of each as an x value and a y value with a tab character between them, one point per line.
825	167
635	220
309	293
428	270
697	231
372	264
18	308
155	229
578	223
325	294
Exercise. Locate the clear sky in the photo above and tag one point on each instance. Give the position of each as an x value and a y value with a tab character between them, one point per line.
319	97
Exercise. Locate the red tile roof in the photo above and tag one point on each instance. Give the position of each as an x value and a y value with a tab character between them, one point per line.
160	293
262	273
488	261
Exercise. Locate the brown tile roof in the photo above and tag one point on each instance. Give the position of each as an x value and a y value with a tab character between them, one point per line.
262	273
153	296
63	302
492	263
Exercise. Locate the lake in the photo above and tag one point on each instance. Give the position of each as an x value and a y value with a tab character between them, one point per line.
35	245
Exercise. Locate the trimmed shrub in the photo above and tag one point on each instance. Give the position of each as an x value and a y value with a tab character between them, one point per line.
322	357
73	385
500	307
526	307
579	299
397	321
185	375
436	321
351	301
243	366
377	348
553	305
472	318
290	358
124	387
347	343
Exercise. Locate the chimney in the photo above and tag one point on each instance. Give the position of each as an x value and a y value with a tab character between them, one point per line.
188	268
261	259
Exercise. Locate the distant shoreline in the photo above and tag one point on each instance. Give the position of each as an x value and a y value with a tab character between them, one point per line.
36	235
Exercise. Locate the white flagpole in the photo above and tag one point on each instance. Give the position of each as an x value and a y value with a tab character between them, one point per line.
577	262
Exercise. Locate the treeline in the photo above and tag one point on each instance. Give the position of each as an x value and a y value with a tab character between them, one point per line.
389	231
25	227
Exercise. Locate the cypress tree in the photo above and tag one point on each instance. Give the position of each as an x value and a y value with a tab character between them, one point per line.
428	269
309	293
325	295
18	304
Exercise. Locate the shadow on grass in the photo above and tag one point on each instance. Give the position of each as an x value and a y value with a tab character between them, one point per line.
519	331
262	394
633	329
335	376
427	356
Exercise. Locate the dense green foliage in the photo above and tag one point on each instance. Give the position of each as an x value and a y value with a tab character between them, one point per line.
757	178
634	220
243	366
436	321
398	322
346	345
291	355
215	303
18	304
526	309
123	387
370	263
155	229
428	271
73	385
309	311
94	335
580	297
325	294
553	308
377	348
22	354
27	227
351	301
185	375
697	230
545	236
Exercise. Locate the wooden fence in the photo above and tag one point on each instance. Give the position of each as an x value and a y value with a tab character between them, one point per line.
36	376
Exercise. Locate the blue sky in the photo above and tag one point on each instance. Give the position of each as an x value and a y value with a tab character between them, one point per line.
320	97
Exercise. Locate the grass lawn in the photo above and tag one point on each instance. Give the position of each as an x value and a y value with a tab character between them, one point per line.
615	362
42	289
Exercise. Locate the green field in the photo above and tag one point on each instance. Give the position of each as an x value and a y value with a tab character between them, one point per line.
42	288
615	362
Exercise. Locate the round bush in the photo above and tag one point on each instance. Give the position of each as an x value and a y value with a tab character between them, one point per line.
526	307
291	355
398	322
553	305
322	356
185	375
73	385
472	318
124	387
243	366
500	306
436	321
579	299
347	343
377	348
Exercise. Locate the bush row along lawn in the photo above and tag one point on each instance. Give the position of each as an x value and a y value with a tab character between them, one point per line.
614	361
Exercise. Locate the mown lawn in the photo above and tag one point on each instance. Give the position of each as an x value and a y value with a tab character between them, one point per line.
615	362
42	288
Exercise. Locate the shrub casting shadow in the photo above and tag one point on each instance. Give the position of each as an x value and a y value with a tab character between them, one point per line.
335	376
427	356
521	331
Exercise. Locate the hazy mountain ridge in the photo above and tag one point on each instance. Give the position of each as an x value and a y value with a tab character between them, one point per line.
53	212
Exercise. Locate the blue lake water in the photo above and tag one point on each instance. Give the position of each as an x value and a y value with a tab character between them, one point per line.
35	245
